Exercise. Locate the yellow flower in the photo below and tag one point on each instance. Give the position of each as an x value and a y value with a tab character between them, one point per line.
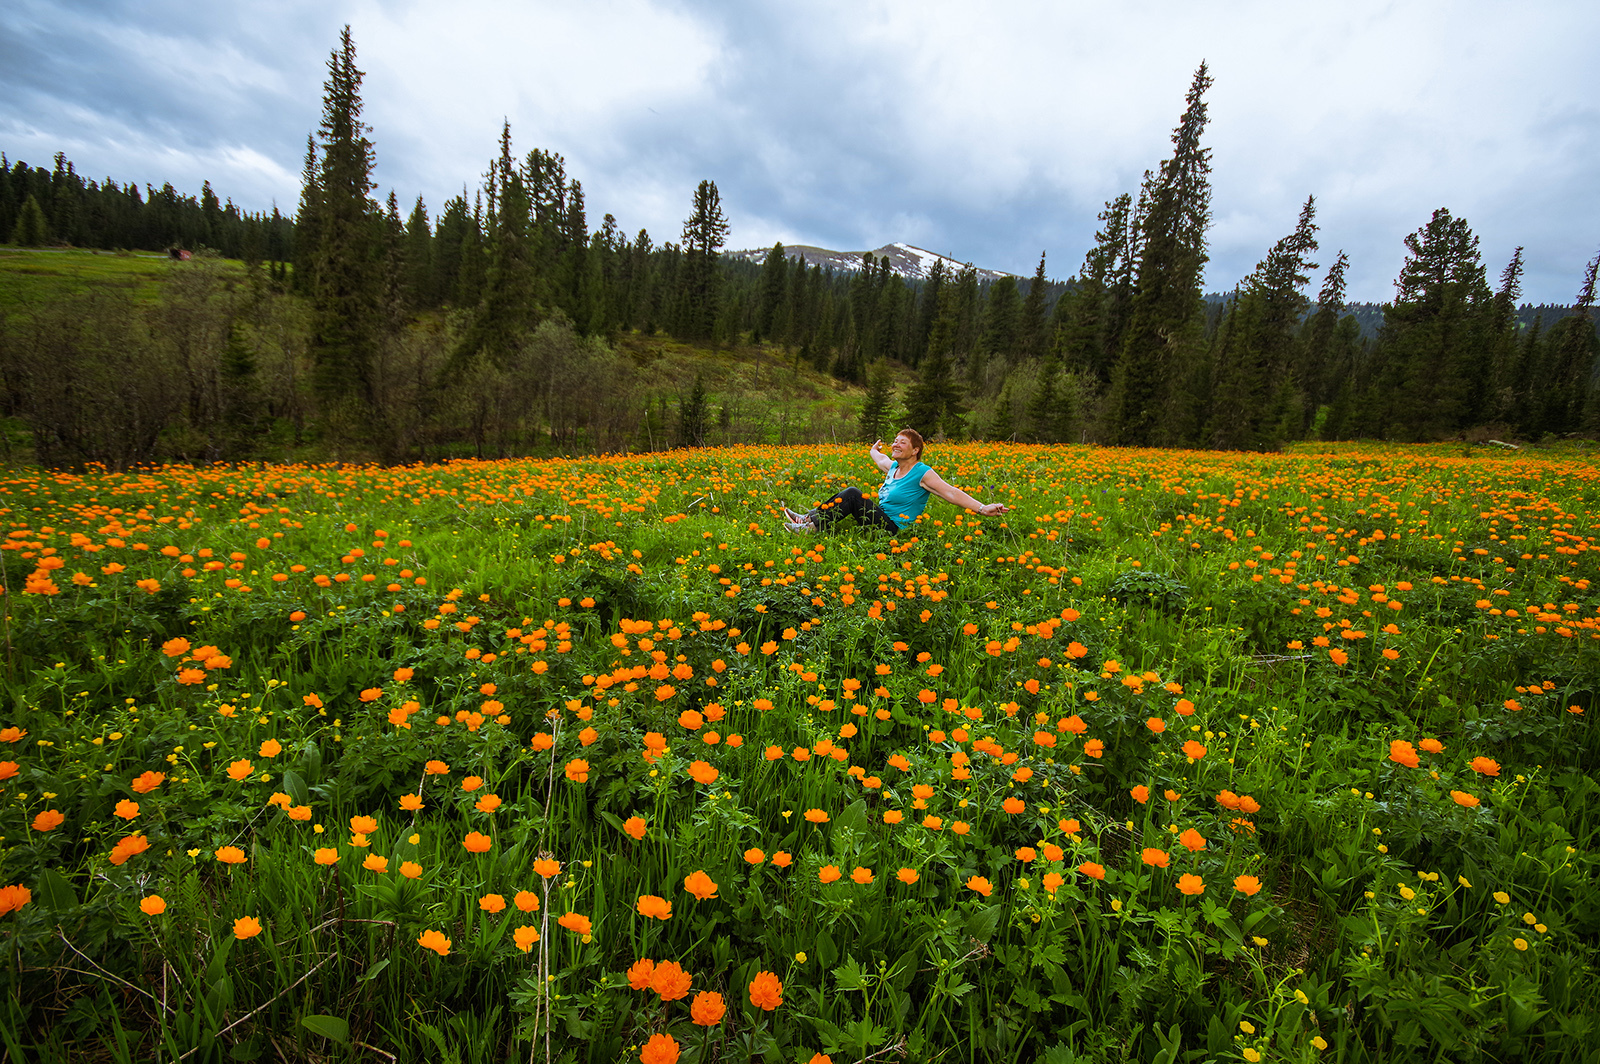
1247	1027
1300	996
1320	1042
1529	919
1407	893
1502	897
1251	1055
1520	943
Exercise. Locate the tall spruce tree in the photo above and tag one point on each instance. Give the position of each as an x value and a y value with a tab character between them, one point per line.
346	279
1166	317
1031	321
705	232
1567	384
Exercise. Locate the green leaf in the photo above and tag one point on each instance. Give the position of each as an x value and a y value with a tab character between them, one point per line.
982	923
296	788
373	972
328	1027
849	976
850	822
827	952
55	893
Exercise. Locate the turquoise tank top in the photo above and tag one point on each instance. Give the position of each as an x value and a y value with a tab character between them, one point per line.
904	499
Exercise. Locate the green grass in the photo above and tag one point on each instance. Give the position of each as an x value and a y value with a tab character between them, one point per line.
1189	757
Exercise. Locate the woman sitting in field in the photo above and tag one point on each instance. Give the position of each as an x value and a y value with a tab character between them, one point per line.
907	483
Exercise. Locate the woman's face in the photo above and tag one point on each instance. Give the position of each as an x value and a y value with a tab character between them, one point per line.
901	448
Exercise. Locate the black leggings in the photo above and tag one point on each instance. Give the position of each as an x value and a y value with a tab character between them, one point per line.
851	503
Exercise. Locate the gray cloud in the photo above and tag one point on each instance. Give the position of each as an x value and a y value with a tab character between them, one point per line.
988	133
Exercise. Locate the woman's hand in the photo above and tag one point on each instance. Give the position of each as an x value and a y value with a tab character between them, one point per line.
993	508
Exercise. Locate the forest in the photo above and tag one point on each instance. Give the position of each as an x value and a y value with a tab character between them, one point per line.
509	325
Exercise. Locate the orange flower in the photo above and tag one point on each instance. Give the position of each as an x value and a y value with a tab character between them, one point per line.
471	783
1338	657
363	825
1156	724
907	876
635	826
435	768
231	855
981	885
1485	766
1246	884
152	905
700	885
707	1008
487	804
525	937
435	941
411	803
1025	854
327	855
1013	805
662	1048
828	873
1153	856
49	820
862	876
1190	884
246	927
547	867
410	869
782	859
240	769
526	900
1194	751
702	772
175	648
13	897
816	816
374	863
1471	801
653	907
372	694
574	922
1092	870
1141	794
1192	841
754	856
1094	747
1432	746
477	842
670	981
578	770
766	991
146	782
492	903
271	748
640	973
1184	707
1403	753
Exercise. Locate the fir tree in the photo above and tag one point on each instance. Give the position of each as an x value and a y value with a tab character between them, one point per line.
32	230
420	290
774	286
704	233
1166	315
873	421
1031	323
692	416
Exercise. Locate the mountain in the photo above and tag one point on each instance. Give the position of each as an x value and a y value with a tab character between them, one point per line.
910	262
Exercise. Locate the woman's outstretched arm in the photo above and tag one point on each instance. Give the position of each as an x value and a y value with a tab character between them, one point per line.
952	494
879	459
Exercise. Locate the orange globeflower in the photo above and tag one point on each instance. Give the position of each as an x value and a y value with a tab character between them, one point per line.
754	856
1141	794
766	991
487	804
240	769
907	876
152	905
828	873
635	826
1432	746
1190	884
492	903
640	973
670	981
782	859
1463	798
435	941
1194	751
410	869
372	694
1246	884
271	748
477	842
1156	724
981	885
700	885
146	782
326	855
662	1048
1094	747
246	927
1153	856
1338	657
1485	766
707	1008
702	772
862	876
1092	870
653	907
816	816
231	855
525	937
363	825
435	768
374	863
1192	841
49	820
1013	805
526	900
578	770
577	923
411	802
1403	753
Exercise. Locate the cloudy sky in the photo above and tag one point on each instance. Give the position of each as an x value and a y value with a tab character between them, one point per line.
987	132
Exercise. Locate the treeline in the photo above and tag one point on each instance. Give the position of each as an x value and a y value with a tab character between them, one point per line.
43	208
492	329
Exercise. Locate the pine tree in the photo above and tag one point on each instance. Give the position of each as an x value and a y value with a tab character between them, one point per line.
1431	335
1567	383
774	285
33	230
420	289
873	421
704	233
1315	372
345	287
1001	320
1031	323
1166	317
1491	392
692	416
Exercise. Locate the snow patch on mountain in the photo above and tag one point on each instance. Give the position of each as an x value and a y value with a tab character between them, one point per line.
907	260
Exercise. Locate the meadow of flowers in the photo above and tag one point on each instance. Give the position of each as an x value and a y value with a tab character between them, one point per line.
1188	757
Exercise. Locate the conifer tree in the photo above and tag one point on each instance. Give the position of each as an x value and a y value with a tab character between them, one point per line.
1031	323
345	283
32	228
704	233
1166	316
420	289
1315	372
1002	320
1567	383
873	421
774	286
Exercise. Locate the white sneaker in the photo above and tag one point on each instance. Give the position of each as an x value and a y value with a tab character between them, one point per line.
792	515
803	525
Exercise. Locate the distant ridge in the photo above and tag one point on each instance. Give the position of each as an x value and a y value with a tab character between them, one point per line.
909	261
